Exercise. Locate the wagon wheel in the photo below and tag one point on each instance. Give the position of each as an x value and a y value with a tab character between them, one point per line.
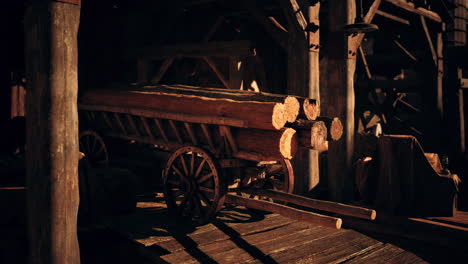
193	185
93	147
275	176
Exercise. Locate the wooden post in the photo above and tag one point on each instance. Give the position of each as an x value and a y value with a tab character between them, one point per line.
51	50
303	81
340	102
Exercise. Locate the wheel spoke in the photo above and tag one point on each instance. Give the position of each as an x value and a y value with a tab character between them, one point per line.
184	165
204	178
192	163
204	198
182	176
199	169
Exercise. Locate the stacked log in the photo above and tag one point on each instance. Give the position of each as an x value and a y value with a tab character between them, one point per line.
267	124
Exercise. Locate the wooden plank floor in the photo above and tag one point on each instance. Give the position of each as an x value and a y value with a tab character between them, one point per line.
237	236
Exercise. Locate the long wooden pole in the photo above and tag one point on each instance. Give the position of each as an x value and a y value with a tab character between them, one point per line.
51	49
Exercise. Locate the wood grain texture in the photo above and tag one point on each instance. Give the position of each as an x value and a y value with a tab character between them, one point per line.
52	136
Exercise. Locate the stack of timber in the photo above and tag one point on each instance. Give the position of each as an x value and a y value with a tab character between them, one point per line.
266	126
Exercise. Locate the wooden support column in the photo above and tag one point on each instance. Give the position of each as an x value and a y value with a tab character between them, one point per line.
303	80
342	52
340	102
51	50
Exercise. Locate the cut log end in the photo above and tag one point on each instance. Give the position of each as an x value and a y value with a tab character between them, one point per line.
318	135
339	222
291	110
373	215
336	129
278	117
288	143
311	109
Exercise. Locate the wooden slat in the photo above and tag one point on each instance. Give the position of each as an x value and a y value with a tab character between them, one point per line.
158	124
213	67
364	61
132	124
226	132
190	132
147	128
392	17
119	122
429	39
380	255
409	6
407	52
175	130
166	145
163	69
149	113
106	119
206	132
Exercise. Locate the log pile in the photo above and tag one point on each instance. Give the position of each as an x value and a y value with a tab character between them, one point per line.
271	125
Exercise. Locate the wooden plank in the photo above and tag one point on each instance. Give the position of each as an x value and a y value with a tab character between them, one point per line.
409	6
220	75
328	206
392	17
226	132
429	39
293	213
51	53
106	119
150	113
440	73
163	69
241	48
381	255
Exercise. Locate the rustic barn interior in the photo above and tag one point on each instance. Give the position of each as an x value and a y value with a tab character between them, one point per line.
222	131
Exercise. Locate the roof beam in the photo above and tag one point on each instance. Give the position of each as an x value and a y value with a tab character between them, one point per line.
417	10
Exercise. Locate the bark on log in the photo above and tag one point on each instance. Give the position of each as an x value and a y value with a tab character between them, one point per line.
261	115
269	145
333	125
291	103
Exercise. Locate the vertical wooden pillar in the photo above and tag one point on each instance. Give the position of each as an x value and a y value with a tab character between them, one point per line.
340	100
314	84
51	50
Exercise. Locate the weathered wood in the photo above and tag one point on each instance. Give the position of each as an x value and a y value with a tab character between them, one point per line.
255	114
199	50
162	70
293	213
333	207
429	39
213	67
313	137
150	113
279	35
409	6
392	17
364	61
340	102
333	125
269	144
52	154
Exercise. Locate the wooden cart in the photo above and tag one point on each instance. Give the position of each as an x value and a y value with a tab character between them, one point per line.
209	164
